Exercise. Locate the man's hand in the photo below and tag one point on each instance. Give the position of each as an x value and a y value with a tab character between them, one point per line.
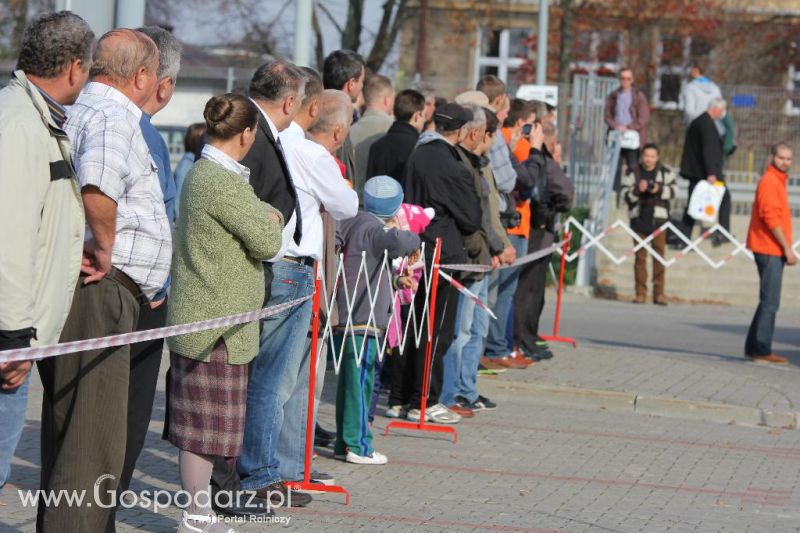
158	303
495	262
536	136
508	255
642	185
96	262
791	257
655	188
712	179
13	374
622	129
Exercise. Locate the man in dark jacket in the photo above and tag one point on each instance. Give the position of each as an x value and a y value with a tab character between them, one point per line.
277	89
554	199
702	160
435	177
388	155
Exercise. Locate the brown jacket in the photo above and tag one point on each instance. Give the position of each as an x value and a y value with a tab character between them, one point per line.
640	112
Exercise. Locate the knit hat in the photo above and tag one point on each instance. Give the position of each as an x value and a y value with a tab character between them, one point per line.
383	196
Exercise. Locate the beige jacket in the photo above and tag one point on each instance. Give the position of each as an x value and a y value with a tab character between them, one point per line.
41	215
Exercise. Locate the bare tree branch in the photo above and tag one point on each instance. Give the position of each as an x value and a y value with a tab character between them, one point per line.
351	37
319	47
331	19
387	33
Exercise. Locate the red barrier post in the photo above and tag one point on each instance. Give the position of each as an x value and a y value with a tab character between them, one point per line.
555	336
426	376
306	483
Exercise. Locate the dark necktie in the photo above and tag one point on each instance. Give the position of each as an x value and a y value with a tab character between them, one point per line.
298	229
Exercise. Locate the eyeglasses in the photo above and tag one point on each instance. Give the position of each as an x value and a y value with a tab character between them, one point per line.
626	78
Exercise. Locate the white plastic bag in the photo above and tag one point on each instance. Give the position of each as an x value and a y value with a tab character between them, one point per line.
705	201
630	140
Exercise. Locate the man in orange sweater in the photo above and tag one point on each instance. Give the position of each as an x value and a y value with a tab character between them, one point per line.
770	239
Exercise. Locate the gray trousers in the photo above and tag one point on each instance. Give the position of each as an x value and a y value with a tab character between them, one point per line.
84	409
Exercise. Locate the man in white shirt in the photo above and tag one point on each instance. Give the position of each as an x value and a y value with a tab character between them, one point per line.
320	185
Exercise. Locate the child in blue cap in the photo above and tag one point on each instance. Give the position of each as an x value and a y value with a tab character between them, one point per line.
366	237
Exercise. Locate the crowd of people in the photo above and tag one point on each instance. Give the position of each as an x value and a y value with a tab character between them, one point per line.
105	239
293	176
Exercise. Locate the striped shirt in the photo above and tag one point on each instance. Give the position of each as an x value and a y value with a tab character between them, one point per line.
504	174
110	153
57	111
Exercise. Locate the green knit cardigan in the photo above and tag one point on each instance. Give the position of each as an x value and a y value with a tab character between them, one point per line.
222	236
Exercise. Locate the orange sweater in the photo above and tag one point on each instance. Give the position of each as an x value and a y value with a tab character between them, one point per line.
521	153
770	210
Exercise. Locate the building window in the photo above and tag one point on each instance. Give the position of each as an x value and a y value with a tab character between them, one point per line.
793	88
598	52
675	54
502	52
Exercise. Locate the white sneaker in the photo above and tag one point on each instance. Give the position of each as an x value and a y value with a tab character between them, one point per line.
396	411
202	523
413	416
376	458
442	415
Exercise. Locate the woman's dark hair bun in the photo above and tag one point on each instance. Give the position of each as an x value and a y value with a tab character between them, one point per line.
218	109
229	115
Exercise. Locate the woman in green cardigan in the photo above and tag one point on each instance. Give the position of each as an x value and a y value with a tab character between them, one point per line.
224	233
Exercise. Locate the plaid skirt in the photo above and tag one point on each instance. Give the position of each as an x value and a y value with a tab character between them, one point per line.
207	402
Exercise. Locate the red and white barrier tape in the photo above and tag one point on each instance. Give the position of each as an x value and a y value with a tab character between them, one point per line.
468	293
519	262
40	352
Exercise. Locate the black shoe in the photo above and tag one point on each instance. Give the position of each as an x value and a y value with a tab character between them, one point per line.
245	503
482	404
322	437
543	351
280	495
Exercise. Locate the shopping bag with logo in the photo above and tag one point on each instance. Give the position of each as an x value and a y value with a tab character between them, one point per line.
705	201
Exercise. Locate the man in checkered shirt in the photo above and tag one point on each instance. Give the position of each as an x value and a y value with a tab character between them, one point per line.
126	261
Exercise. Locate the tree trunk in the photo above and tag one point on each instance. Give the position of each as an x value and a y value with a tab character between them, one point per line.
351	37
567	36
387	33
319	49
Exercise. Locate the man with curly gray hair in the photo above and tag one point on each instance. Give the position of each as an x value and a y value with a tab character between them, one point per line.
41	214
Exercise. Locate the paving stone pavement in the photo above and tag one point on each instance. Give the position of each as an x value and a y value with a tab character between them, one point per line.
691	352
534	467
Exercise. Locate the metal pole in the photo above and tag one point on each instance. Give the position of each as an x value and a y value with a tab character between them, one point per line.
229	80
130	14
541	43
302	33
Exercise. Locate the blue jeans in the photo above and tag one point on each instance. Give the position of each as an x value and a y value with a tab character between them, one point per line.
277	394
13	405
454	356
506	281
471	354
762	328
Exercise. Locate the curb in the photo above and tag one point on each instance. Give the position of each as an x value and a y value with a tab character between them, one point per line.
633	402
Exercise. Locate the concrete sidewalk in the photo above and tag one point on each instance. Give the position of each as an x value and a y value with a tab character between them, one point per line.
684	361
